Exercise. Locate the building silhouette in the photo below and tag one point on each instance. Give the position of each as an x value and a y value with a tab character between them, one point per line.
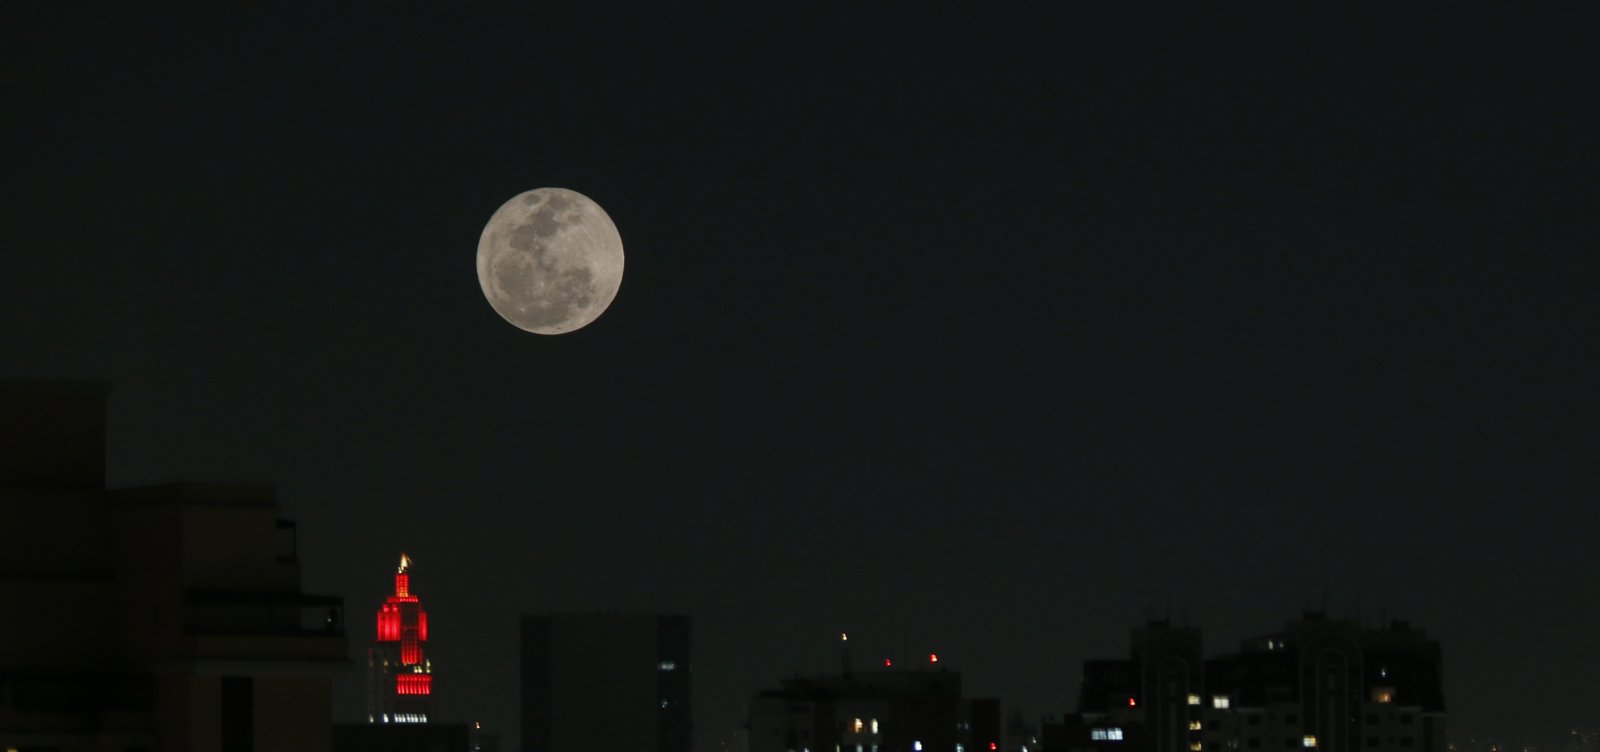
399	672
412	737
156	618
883	710
605	683
1317	685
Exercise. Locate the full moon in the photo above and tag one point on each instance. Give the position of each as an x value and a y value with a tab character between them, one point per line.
550	261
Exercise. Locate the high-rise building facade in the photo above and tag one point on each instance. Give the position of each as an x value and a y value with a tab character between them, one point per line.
1317	685
399	672
605	683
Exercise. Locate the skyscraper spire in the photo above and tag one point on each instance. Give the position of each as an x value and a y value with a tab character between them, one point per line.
399	674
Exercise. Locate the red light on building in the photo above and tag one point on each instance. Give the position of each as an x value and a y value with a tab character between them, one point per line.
887	663
933	657
413	684
1132	703
400	676
993	745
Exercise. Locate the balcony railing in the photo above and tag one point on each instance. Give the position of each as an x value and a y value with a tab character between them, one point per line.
249	612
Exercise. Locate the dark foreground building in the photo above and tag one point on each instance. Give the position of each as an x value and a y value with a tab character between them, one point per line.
888	710
157	618
419	737
605	683
1317	685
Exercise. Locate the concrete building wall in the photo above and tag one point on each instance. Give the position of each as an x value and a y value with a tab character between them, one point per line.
166	617
54	435
293	713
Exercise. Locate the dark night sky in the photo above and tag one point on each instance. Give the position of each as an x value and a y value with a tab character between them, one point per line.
987	333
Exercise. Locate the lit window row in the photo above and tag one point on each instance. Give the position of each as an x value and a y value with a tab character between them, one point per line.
405	718
1113	734
413	684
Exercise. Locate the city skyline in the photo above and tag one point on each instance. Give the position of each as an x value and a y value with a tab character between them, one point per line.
980	333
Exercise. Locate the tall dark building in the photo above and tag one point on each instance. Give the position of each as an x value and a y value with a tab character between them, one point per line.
399	672
1317	685
884	710
605	683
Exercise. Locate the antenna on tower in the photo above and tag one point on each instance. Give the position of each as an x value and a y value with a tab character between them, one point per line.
844	653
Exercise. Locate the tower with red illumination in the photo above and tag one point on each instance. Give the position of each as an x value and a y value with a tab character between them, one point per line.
399	674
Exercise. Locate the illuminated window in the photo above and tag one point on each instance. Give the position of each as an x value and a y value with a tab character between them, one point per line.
1220	702
1195	746
1310	742
668	666
1383	694
1194	699
874	730
961	747
1113	734
1194	725
663	704
916	746
856	726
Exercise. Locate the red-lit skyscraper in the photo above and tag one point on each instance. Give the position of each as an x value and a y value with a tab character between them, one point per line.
399	674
